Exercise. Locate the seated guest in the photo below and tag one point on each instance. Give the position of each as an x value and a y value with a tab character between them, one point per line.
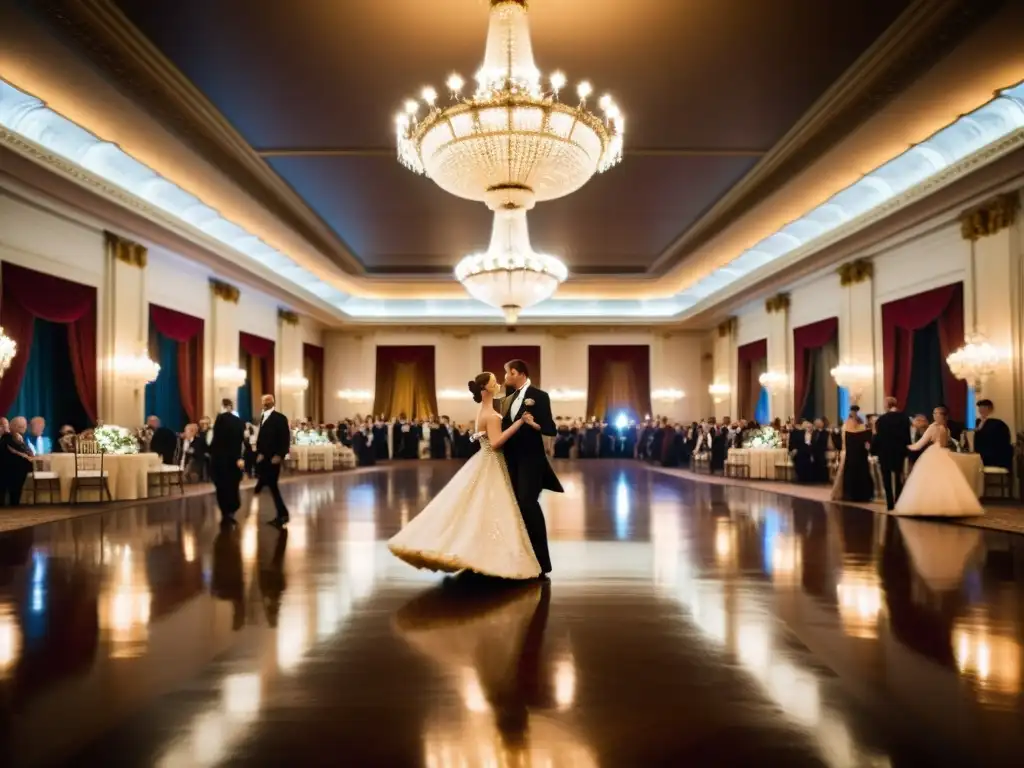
15	462
36	438
187	453
67	440
163	443
992	440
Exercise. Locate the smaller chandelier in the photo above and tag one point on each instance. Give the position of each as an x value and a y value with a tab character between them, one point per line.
8	349
137	370
355	395
559	395
975	361
295	384
853	378
719	391
773	381
510	275
668	395
227	377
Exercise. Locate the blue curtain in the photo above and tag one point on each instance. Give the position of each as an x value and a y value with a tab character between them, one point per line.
163	396
244	398
48	388
844	404
971	417
926	373
761	415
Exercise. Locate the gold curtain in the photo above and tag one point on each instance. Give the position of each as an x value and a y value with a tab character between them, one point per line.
255	365
404	389
618	390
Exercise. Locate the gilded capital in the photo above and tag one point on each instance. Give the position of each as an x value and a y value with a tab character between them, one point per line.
990	217
777	303
224	291
857	271
287	316
727	327
126	251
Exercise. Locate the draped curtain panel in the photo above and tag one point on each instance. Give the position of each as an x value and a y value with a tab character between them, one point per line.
28	295
406	382
45	389
313	370
753	361
493	359
261	371
247	409
619	380
901	319
163	396
187	333
808	339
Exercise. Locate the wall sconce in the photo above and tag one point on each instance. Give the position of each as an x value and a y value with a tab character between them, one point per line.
226	377
719	392
294	384
567	395
137	370
355	395
667	395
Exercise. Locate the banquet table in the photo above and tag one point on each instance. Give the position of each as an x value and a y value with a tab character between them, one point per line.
762	460
127	475
301	453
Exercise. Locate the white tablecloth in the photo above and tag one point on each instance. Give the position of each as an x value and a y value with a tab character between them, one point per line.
762	460
128	475
303	452
970	464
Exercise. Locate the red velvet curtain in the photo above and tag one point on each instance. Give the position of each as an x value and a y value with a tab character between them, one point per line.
493	359
619	379
806	339
313	370
263	350
750	357
944	306
28	294
187	331
405	382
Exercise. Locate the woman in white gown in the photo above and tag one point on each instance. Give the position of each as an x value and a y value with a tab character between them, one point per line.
474	523
936	487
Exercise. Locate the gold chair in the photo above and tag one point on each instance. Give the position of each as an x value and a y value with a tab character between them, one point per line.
42	479
89	472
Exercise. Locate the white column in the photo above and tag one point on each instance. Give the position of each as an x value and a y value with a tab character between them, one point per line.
724	371
350	364
857	342
224	342
127	333
780	403
289	364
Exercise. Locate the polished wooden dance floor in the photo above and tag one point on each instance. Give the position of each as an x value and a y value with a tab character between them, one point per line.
684	624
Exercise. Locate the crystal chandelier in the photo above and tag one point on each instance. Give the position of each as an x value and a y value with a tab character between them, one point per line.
719	391
295	384
510	144
975	361
853	378
510	275
669	395
773	381
8	349
137	370
227	377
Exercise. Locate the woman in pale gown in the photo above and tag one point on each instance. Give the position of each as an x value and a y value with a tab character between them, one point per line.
936	487
853	478
474	523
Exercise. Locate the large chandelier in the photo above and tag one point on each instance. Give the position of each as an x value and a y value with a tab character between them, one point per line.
136	370
975	361
8	349
510	144
854	378
773	381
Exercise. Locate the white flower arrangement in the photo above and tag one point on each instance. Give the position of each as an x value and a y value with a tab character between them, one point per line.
311	438
117	440
765	437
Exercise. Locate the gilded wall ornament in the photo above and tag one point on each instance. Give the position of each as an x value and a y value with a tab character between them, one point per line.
287	316
856	271
126	251
224	291
777	303
990	217
727	327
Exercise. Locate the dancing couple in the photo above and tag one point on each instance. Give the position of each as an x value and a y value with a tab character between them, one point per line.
488	519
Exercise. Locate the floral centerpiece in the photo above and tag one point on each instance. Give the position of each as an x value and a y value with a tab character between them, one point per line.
765	437
311	438
113	439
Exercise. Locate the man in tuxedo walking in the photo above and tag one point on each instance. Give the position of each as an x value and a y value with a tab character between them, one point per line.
272	444
227	460
527	461
889	444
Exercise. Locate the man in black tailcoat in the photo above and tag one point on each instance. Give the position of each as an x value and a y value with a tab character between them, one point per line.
889	443
272	445
527	461
227	460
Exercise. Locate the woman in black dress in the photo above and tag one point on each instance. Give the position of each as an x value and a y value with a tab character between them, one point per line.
853	480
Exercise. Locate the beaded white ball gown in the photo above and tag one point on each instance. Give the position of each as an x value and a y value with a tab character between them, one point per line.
473	524
936	487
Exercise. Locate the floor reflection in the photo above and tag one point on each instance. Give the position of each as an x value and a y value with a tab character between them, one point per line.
678	613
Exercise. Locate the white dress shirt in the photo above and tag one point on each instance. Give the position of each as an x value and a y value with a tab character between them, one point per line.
266	413
517	402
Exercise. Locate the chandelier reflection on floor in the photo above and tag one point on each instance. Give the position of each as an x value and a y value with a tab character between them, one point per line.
511	144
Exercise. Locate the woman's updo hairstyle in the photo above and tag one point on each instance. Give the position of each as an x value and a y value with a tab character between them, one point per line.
479	384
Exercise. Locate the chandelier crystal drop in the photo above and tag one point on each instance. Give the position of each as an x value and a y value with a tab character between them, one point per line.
510	275
512	130
975	361
8	350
